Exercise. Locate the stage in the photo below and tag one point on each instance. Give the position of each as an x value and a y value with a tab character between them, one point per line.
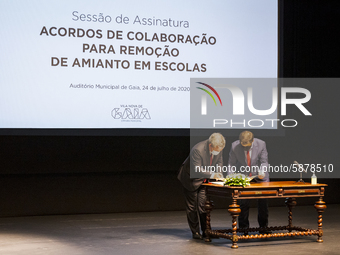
158	233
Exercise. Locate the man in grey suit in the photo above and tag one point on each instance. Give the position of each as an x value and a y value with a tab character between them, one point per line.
249	155
203	154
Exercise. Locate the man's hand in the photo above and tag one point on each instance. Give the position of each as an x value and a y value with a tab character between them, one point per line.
217	176
261	174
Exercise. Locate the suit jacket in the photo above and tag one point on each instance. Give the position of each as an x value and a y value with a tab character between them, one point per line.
259	156
199	156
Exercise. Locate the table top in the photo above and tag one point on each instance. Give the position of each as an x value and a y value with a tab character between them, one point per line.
278	184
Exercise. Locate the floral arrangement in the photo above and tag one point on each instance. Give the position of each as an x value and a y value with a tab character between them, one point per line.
237	180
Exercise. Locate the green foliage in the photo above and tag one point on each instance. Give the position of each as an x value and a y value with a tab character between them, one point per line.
237	180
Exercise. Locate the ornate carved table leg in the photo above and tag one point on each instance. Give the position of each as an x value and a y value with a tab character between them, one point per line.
320	206
234	210
290	203
208	208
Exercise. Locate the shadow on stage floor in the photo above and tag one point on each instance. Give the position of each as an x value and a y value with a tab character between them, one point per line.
158	233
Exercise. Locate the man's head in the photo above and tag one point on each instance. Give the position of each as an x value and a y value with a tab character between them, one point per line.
216	143
246	140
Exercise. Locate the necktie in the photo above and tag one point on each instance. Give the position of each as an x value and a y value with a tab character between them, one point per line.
248	161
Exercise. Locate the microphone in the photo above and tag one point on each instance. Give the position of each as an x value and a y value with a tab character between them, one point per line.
300	166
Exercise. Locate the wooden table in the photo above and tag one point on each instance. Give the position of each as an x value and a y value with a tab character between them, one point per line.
283	189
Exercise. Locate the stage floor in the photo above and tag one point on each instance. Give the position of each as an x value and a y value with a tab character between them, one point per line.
159	233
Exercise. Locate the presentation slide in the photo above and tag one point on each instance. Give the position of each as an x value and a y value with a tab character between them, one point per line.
125	64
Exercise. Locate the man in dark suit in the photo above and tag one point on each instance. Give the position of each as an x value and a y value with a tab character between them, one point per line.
249	155
204	154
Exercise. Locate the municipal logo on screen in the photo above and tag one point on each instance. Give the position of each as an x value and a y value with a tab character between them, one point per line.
133	113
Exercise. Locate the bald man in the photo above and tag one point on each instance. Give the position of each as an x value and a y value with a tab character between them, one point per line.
252	152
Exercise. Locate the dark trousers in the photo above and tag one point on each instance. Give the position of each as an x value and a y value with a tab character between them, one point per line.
262	213
196	215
